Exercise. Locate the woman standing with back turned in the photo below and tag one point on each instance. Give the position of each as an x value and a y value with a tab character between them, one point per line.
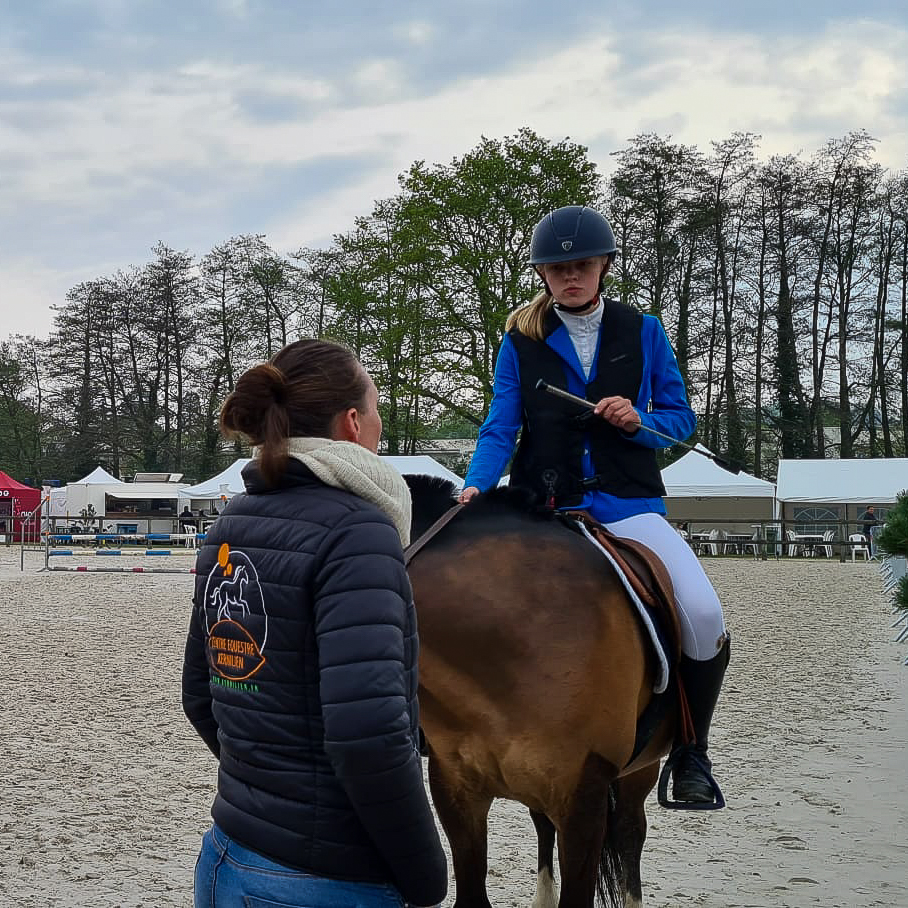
300	671
601	461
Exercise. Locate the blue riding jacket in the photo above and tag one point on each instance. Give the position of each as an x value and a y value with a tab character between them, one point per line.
661	402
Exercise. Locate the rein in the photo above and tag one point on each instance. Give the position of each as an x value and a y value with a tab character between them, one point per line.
411	551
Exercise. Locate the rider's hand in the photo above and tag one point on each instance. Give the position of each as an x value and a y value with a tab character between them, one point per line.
467	494
620	412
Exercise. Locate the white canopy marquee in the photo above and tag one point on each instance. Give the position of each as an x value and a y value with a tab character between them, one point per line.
228	483
871	480
97	476
696	476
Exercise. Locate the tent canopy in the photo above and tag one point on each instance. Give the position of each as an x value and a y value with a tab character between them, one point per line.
97	476
212	488
27	497
871	480
696	476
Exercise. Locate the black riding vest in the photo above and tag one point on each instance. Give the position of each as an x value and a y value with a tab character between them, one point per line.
549	457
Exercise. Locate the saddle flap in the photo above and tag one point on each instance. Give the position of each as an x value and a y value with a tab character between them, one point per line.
646	574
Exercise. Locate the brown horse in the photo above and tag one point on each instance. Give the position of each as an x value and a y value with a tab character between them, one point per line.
534	672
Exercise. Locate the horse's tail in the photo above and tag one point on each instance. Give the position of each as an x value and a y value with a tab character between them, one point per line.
610	878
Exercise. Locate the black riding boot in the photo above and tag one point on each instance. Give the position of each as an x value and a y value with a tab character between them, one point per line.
702	682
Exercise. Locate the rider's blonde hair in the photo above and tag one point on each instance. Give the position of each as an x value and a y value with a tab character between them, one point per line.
529	319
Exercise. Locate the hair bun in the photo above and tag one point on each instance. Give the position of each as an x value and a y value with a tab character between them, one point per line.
275	382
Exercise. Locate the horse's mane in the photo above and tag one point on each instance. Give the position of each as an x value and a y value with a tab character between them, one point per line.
432	496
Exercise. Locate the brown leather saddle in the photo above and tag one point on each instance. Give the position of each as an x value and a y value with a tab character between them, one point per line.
647	576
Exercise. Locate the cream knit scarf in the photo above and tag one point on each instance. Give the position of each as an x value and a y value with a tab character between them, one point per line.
346	465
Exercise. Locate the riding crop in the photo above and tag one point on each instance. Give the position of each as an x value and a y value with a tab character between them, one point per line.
731	465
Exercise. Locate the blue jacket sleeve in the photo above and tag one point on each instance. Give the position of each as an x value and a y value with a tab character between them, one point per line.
365	629
498	434
663	386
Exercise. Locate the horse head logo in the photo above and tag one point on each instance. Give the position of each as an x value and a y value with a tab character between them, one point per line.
229	593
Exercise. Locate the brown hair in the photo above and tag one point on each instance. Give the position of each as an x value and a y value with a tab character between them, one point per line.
298	392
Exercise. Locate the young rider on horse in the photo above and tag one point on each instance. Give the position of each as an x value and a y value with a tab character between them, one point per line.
601	461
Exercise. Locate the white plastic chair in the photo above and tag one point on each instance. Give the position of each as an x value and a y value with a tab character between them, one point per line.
828	536
189	542
794	547
859	546
714	545
754	546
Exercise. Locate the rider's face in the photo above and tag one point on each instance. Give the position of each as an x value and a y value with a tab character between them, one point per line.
575	283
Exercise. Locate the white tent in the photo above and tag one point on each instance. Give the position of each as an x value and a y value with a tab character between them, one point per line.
97	476
871	480
227	483
701	492
696	476
422	464
69	500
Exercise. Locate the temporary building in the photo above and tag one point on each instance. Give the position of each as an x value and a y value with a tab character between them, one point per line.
698	490
17	502
839	489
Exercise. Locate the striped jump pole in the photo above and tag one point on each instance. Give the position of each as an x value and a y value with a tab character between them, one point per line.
134	552
133	548
126	537
84	569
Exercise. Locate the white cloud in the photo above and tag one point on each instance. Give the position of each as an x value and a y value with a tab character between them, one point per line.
110	138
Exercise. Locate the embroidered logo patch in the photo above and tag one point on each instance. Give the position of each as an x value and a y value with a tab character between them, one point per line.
236	639
566	245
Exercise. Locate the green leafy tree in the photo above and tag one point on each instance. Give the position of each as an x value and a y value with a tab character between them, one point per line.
474	218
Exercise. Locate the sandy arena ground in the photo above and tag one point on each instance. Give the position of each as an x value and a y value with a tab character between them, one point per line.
107	788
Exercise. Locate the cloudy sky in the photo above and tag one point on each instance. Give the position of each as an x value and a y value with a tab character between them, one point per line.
126	122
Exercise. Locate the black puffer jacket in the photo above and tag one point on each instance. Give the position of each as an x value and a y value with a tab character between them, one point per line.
300	675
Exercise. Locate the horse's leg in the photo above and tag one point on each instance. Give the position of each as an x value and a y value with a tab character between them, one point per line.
546	892
585	853
628	827
464	818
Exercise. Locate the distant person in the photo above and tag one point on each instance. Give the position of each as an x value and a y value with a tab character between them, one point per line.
300	671
868	520
187	518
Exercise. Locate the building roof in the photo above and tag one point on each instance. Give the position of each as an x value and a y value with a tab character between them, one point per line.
869	480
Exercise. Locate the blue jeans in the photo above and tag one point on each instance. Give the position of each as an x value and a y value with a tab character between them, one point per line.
227	875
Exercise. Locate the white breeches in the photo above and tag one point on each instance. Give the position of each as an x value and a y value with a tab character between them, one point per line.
702	621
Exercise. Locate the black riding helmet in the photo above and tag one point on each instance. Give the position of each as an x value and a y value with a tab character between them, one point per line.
569	233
